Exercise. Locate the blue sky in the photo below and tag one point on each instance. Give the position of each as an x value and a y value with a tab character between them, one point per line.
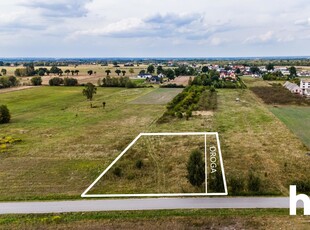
148	28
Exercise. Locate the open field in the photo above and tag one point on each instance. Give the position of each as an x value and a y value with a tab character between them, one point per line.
66	144
297	119
165	219
83	76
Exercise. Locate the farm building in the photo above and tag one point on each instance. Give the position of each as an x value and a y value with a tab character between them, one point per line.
292	87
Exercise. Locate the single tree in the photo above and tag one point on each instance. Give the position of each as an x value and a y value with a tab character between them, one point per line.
205	69
90	72
196	168
67	71
170	74
108	72
76	72
160	69
89	91
72	72
118	71
270	66
293	71
3	71
5	115
123	72
41	72
237	71
131	71
150	69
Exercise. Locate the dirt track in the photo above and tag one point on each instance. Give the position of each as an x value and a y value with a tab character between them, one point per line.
7	90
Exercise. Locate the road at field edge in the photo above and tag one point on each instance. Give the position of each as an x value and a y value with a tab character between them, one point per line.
142	204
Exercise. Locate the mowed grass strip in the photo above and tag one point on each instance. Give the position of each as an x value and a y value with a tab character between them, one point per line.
297	119
159	96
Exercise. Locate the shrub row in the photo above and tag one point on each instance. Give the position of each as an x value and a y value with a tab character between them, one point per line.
7	82
117	82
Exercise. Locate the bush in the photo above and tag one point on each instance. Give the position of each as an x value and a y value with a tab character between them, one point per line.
237	185
302	186
254	183
196	168
139	164
36	81
172	86
117	171
56	81
6	82
5	115
68	81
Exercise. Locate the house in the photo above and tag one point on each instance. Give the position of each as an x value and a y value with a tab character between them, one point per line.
292	87
144	75
154	80
305	87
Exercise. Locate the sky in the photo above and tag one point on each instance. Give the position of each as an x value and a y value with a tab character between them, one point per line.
149	28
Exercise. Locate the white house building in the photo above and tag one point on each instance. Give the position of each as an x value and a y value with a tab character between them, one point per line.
305	87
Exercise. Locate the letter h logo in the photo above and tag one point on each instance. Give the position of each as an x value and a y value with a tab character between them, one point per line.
295	198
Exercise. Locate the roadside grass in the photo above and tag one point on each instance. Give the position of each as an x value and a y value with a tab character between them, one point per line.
161	219
297	119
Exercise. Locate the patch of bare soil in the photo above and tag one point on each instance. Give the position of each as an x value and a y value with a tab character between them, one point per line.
181	80
203	113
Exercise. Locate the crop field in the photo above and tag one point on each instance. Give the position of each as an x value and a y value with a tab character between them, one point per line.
66	144
297	119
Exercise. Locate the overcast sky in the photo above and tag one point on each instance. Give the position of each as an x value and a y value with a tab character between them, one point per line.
154	28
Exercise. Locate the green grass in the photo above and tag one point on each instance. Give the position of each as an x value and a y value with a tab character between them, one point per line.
161	219
297	119
253	139
65	143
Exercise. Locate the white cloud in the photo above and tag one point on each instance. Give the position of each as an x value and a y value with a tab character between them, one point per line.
144	26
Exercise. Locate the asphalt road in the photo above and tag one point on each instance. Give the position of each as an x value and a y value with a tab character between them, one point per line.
141	204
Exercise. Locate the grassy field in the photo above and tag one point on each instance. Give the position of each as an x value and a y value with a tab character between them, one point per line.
66	144
297	119
166	219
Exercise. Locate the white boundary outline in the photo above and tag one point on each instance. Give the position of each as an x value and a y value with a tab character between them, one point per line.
205	134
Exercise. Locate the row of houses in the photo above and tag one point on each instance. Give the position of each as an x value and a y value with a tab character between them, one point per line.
302	89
